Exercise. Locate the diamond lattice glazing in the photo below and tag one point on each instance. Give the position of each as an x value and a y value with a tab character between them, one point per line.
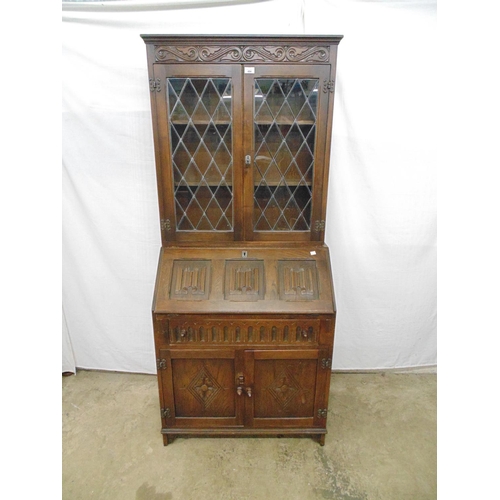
284	134
201	140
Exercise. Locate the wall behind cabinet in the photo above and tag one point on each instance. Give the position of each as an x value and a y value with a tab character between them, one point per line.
380	224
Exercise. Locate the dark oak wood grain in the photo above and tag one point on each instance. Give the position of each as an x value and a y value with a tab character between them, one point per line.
244	307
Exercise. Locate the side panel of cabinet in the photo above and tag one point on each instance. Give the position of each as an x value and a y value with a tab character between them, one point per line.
199	126
289	388
199	389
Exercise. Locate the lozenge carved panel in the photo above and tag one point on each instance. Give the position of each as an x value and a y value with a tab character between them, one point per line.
203	387
288	387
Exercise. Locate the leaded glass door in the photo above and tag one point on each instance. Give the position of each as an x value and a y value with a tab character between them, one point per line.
286	116
199	120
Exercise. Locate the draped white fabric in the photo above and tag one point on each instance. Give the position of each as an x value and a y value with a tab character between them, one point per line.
381	215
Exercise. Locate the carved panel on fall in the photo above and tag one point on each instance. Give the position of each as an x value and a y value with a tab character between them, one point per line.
244	280
298	280
190	280
243	309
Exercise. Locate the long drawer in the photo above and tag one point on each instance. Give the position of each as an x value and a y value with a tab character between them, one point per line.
203	331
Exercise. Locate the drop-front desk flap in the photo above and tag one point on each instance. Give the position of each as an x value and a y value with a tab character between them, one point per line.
244	280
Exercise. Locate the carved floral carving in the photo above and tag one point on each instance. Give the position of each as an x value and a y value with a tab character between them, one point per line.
241	53
284	389
204	387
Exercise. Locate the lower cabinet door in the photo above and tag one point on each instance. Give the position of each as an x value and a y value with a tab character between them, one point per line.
203	390
288	388
199	390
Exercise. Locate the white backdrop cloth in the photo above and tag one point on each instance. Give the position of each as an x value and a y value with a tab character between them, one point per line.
381	214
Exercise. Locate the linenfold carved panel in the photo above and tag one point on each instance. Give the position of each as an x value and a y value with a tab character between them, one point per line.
237	53
244	280
190	280
298	280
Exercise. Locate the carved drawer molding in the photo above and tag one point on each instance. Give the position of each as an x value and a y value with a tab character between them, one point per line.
221	331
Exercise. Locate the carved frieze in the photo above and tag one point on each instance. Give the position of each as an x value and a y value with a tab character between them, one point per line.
215	331
242	53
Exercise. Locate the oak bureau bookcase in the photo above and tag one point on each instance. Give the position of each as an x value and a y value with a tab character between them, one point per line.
243	309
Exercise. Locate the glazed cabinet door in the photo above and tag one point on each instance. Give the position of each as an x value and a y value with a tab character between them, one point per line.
286	125
198	388
289	388
199	125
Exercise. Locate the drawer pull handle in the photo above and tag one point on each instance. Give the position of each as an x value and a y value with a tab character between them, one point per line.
249	392
183	332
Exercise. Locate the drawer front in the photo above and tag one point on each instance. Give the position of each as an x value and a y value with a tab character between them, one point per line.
191	330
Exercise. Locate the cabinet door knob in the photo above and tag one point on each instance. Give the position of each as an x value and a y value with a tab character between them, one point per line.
249	392
241	381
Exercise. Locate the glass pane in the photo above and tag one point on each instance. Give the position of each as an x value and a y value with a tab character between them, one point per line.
284	136
200	116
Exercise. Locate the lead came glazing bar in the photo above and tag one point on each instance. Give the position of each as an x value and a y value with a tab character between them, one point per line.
200	115
284	138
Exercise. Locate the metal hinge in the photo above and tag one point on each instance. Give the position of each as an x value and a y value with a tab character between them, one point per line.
319	225
322	413
328	86
161	364
154	85
165	225
165	413
326	363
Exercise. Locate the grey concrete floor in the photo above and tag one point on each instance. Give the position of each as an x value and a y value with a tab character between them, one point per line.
381	444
